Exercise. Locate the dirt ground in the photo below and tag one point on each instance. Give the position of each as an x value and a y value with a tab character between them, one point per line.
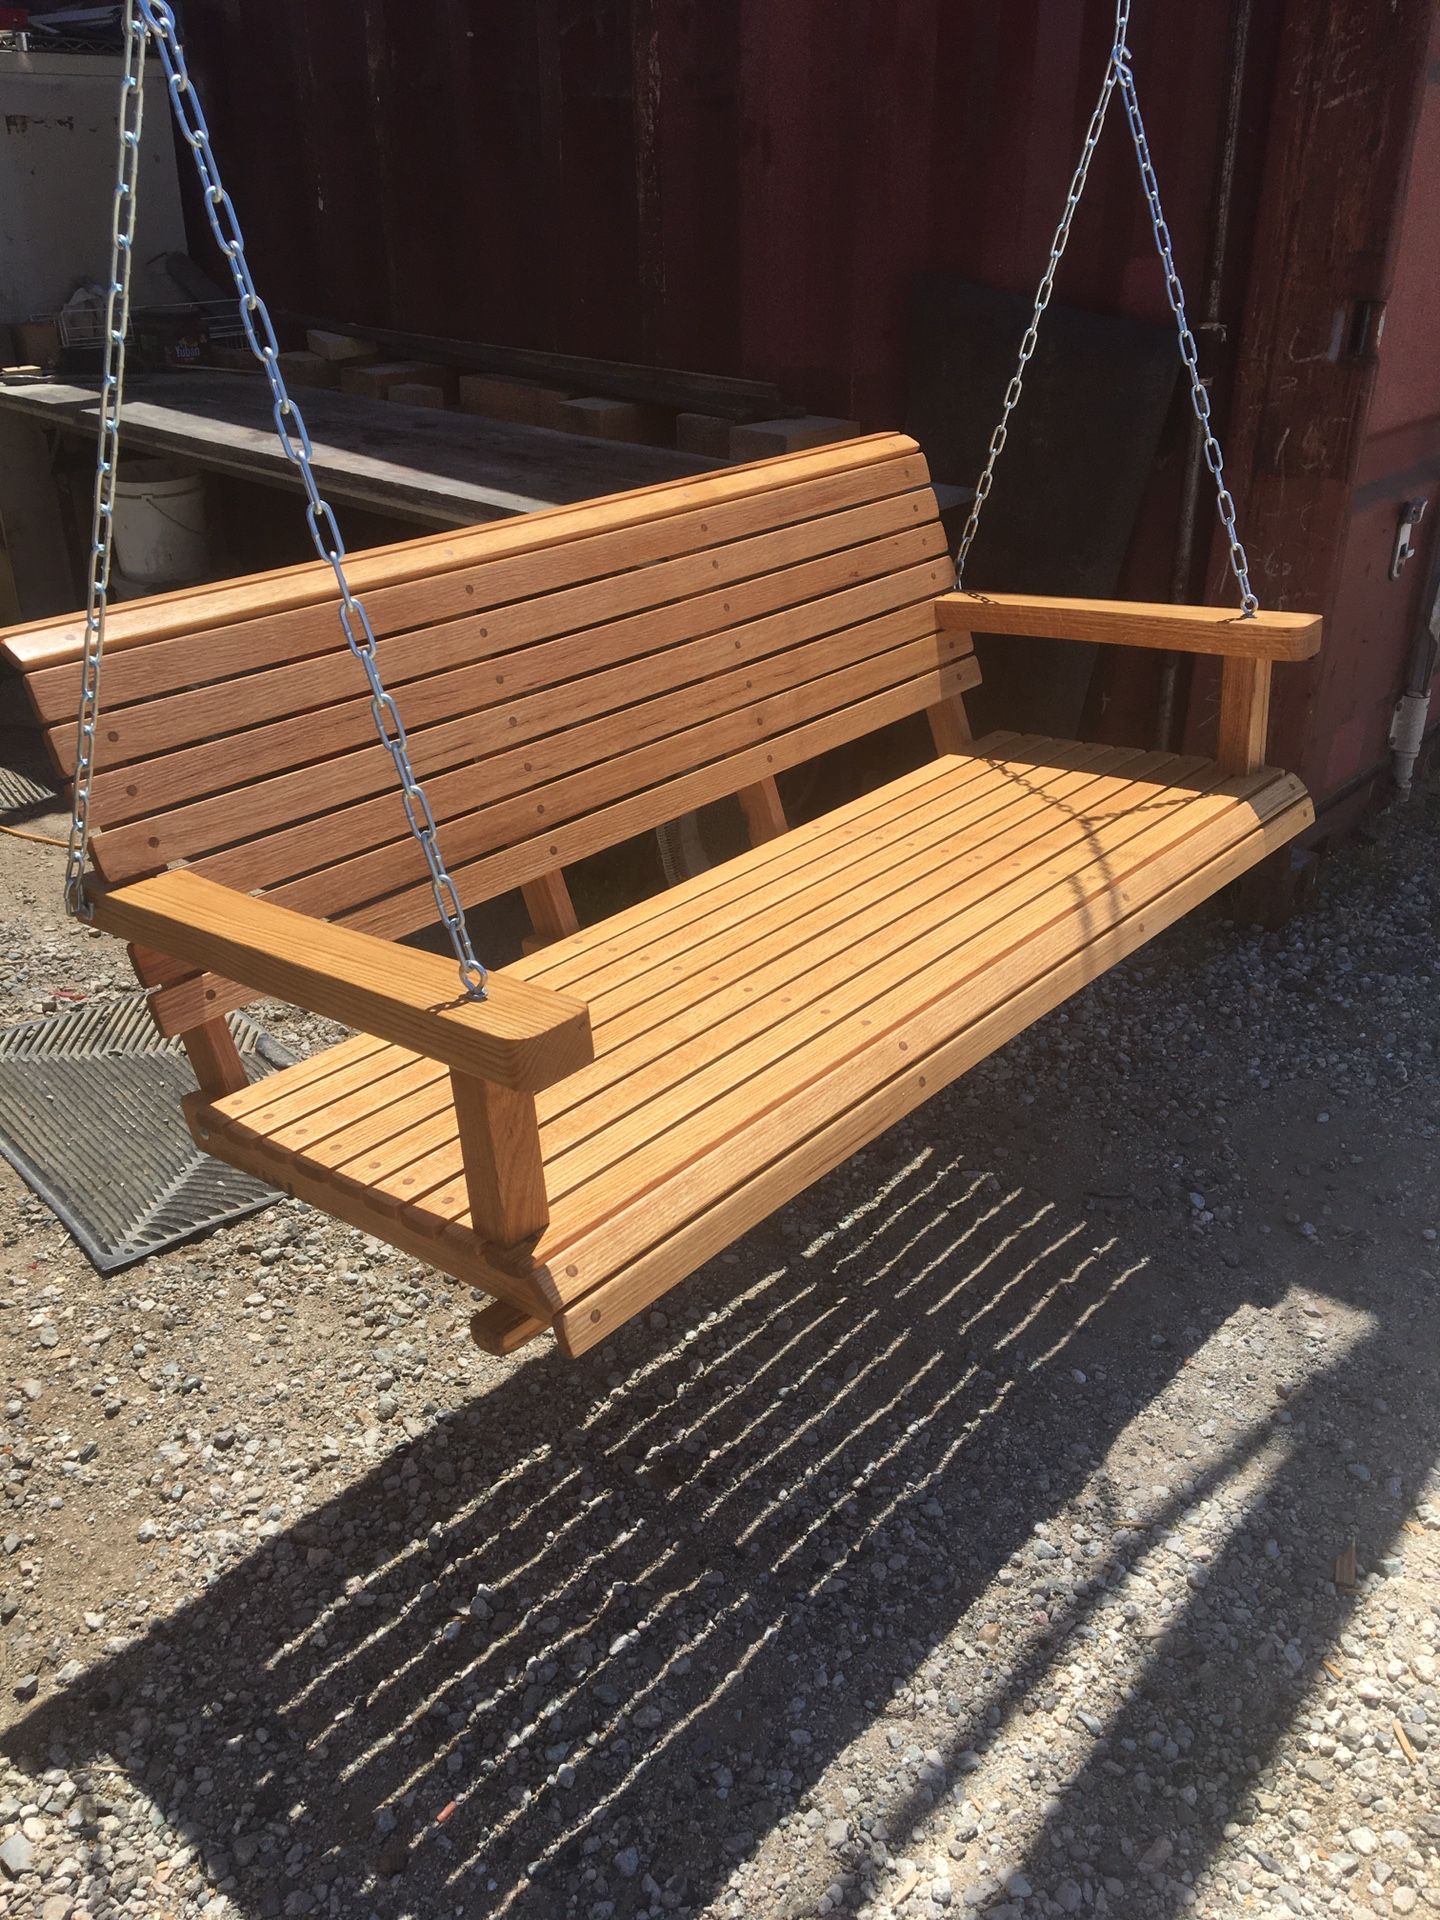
1042	1516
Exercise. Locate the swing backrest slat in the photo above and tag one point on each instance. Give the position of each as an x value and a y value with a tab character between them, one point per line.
566	681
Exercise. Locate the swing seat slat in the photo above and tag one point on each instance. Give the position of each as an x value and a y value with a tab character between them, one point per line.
754	1025
642	1090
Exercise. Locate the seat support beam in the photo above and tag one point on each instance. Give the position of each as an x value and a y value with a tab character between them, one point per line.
504	1173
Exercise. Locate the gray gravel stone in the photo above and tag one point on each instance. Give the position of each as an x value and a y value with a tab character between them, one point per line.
17	1855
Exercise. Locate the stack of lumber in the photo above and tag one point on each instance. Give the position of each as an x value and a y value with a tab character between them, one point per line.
357	364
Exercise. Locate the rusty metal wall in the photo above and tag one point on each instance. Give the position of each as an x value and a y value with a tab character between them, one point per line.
752	188
1374	615
1336	412
726	184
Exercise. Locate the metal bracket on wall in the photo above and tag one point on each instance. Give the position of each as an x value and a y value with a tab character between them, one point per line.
1411	514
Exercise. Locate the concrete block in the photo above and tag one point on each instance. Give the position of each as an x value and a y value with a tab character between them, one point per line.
603	419
374	379
705	434
305	369
524	402
416	393
343	348
760	439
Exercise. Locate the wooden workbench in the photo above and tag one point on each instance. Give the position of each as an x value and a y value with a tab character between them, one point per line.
434	466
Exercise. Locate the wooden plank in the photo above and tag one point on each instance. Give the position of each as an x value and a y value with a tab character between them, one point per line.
378	1154
365	1102
500	1145
915	672
215	1059
428	562
445	468
835	1001
416	393
764	811
607	826
495	632
717	1002
310	1084
950	726
377	379
156	969
451	618
653	1192
781	950
179	1006
602	418
521	1036
657	386
452	715
1244	715
500	1329
755	439
455	1252
521	400
302	368
701	977
340	348
1125	623
548	903
498	788
625	973
852	1012
1056	974
652	923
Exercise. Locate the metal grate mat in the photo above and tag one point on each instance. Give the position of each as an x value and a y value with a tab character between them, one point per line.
90	1118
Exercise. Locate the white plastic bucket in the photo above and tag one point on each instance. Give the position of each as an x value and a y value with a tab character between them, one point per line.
160	534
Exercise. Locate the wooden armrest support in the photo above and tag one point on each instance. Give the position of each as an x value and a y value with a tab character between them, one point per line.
520	1036
1123	623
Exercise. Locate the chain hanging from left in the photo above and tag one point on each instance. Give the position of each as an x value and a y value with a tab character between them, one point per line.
112	389
153	22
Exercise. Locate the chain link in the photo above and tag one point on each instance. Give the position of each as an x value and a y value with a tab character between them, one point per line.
155	19
1189	353
1119	72
112	387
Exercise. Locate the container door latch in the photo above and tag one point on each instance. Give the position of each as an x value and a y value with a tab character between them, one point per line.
1411	514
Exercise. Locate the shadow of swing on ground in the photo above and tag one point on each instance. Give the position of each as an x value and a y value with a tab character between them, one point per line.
599	1631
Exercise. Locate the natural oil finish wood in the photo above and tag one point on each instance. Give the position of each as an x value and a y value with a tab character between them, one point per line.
633	1094
551	910
816	1153
519	1036
949	727
500	1144
415	566
843	928
1244	715
215	1058
440	575
1127	623
764	811
501	1329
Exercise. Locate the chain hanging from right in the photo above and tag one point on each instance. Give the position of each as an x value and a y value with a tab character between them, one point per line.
1119	72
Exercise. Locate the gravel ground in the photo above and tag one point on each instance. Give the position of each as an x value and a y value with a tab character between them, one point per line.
1041	1517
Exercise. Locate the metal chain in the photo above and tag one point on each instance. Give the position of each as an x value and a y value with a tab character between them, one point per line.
1118	72
1189	353
159	22
112	387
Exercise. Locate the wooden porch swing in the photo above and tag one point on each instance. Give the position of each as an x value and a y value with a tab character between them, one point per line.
581	1131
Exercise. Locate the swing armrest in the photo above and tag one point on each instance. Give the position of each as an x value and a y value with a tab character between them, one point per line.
520	1036
1124	623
